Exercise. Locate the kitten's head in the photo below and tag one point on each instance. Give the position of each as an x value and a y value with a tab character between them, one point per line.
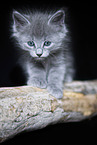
39	33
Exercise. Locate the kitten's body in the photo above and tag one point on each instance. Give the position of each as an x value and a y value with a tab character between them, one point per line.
47	60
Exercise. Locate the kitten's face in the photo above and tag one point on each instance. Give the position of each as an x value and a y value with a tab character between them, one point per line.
38	48
40	34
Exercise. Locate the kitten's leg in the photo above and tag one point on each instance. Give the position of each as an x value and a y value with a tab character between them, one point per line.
70	69
36	76
55	81
69	76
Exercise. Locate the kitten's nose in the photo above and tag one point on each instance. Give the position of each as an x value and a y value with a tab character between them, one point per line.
39	52
39	55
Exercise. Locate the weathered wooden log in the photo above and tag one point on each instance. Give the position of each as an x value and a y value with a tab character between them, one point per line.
27	108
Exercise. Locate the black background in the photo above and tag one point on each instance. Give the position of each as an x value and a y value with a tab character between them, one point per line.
82	23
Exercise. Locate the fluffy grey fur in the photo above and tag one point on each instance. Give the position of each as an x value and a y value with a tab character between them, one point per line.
47	60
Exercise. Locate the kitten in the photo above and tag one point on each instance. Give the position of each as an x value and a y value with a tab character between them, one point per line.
46	58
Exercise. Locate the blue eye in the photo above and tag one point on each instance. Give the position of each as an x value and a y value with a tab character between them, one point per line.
47	43
31	43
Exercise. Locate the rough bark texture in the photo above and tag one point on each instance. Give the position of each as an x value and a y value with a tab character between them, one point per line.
28	108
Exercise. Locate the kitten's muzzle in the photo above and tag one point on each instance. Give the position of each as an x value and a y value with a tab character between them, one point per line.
39	52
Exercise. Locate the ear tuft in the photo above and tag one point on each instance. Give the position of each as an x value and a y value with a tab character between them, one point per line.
19	19
57	18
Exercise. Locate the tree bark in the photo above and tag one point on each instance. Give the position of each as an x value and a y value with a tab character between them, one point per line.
29	108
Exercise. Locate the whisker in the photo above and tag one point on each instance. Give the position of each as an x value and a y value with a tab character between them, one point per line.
51	54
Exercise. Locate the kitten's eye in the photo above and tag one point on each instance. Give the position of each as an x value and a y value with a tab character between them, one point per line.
31	43
47	43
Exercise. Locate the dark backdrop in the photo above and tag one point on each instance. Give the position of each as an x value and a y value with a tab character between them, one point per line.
81	19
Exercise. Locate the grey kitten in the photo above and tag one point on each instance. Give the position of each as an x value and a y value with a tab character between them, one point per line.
46	59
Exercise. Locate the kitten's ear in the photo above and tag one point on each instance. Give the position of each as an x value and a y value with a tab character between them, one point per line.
19	20
57	18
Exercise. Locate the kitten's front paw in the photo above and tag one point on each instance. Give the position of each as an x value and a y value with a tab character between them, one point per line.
55	91
37	82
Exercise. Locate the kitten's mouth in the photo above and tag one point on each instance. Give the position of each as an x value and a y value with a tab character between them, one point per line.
39	58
